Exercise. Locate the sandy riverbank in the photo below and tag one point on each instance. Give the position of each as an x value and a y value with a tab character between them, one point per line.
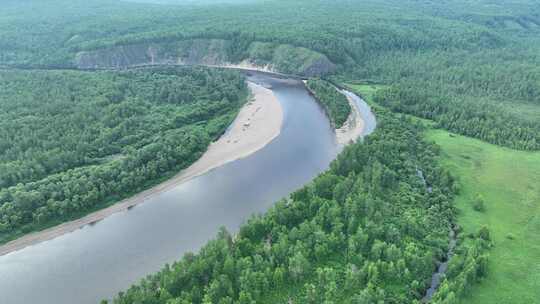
256	125
247	66
353	127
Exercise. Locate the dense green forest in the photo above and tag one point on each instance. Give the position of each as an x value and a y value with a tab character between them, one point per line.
71	142
333	101
472	118
368	230
480	55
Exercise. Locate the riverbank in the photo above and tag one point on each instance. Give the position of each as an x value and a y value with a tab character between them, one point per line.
247	66
256	125
354	126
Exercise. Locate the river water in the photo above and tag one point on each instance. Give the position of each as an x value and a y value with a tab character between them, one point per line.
97	261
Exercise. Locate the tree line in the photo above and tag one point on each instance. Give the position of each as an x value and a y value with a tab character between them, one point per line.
486	57
72	142
334	102
369	230
475	119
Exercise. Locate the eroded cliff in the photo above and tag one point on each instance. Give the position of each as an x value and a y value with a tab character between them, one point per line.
268	56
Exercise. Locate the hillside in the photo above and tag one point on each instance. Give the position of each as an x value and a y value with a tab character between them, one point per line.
213	52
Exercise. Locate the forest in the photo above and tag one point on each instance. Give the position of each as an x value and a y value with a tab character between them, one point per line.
72	142
368	230
488	63
333	101
471	118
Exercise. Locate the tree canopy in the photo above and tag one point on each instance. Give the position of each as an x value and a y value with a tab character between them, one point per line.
71	142
442	56
368	230
334	102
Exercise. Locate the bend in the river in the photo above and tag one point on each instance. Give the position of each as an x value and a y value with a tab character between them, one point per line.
99	260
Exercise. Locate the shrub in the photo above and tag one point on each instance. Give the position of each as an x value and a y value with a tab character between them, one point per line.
478	204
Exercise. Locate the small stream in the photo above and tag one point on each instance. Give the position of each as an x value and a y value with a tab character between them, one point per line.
441	270
443	266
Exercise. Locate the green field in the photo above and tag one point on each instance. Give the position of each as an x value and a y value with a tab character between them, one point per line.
366	90
509	181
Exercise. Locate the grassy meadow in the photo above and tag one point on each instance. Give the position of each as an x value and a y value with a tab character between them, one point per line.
509	182
366	90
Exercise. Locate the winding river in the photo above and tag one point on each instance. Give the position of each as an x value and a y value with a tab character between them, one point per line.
97	261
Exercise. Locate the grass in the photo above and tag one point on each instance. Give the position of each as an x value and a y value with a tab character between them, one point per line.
509	181
366	90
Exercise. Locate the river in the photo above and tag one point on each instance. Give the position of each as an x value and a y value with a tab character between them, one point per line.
99	260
